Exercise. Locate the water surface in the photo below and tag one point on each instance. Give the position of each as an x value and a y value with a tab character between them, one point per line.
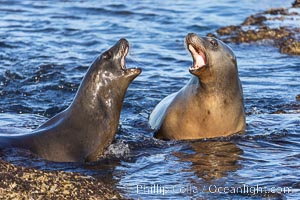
47	46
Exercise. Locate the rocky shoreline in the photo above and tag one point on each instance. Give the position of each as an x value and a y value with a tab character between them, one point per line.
275	26
29	183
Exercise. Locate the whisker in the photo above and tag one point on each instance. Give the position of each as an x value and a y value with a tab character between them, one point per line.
135	60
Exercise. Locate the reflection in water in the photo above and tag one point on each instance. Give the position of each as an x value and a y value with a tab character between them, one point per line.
213	159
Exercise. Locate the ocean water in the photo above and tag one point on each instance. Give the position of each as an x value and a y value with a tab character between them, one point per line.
47	46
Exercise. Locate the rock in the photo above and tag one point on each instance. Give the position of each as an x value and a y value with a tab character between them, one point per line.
277	25
296	4
28	183
253	19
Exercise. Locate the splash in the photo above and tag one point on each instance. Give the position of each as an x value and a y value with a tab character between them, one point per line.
118	150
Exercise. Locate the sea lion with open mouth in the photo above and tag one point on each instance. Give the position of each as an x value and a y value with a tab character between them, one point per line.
89	124
211	103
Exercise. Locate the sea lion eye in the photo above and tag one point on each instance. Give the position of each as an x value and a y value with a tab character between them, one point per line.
107	55
214	43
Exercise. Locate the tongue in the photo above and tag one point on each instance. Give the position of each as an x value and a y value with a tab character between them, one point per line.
199	58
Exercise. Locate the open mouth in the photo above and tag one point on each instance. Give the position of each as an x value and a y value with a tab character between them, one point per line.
123	63
199	58
123	51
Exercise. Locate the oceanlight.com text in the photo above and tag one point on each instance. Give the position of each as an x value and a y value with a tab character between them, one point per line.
158	189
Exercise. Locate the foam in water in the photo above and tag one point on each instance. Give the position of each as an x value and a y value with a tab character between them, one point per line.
118	150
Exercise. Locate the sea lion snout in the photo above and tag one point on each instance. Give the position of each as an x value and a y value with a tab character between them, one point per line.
196	41
119	50
130	73
192	37
197	48
115	59
122	48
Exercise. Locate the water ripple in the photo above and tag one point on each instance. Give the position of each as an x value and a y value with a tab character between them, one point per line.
46	48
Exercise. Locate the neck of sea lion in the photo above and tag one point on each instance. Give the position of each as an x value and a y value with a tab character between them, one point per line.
100	91
219	81
98	101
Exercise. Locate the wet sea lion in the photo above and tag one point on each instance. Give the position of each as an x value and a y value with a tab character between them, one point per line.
89	124
211	103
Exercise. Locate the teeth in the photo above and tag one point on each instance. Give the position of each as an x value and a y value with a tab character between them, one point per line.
193	68
192	49
123	58
126	51
123	63
198	58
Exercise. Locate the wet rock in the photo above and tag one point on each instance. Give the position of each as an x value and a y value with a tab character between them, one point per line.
296	4
277	25
265	32
290	45
291	108
253	19
277	11
280	112
228	30
27	183
298	97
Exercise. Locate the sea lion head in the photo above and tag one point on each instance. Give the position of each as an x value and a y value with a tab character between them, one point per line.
212	59
112	62
107	77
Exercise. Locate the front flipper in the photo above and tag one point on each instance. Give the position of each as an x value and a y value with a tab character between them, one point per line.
158	114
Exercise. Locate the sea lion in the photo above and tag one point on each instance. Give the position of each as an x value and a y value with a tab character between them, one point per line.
89	124
211	103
